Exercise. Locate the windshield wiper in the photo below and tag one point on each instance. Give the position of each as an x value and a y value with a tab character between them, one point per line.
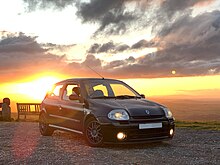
117	97
103	97
127	97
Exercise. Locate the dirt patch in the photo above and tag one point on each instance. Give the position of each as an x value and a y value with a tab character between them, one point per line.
21	143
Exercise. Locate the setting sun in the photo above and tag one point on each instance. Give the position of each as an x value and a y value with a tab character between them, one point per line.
173	72
31	89
36	89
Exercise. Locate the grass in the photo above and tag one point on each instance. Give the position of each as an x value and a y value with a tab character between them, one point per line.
214	125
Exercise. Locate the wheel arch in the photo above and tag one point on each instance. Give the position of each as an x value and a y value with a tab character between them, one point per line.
87	117
43	110
95	140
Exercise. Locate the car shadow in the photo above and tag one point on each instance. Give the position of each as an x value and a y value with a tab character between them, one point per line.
79	140
138	146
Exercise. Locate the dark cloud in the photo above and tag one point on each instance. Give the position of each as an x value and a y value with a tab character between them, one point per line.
199	58
189	45
51	46
87	68
94	48
115	64
110	14
92	61
143	44
166	13
170	7
109	47
119	63
20	43
192	31
94	67
117	17
96	9
22	55
121	48
114	26
106	47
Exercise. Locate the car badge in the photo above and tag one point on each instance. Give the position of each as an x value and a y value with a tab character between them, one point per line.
147	112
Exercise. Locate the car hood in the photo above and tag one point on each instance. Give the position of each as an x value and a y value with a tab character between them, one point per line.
135	107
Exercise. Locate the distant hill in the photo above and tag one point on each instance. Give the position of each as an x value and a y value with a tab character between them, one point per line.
192	109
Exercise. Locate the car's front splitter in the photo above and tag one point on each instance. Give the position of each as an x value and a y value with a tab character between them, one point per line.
133	134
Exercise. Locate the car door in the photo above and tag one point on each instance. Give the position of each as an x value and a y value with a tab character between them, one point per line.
52	105
72	110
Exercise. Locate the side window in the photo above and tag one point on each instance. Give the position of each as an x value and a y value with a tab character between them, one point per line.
56	92
71	89
102	88
96	89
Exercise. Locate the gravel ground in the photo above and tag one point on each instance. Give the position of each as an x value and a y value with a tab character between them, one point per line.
21	143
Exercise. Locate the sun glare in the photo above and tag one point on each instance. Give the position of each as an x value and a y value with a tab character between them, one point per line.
36	89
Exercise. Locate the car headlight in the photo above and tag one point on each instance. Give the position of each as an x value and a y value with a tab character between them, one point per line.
167	112
118	114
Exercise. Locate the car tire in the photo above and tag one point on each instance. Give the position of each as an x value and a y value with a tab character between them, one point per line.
93	133
44	127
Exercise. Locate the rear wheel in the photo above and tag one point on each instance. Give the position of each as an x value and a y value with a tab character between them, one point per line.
44	127
93	133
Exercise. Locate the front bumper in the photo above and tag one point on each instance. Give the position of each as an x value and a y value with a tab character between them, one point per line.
133	133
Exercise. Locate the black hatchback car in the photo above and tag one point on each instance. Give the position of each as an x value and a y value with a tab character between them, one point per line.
104	111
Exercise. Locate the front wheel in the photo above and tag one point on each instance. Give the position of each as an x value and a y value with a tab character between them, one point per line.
44	127
93	133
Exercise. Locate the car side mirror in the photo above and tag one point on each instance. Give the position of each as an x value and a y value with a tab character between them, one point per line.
143	96
74	97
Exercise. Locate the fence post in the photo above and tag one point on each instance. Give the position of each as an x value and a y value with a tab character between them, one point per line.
18	111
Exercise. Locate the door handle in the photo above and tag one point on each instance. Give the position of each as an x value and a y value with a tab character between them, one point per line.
60	108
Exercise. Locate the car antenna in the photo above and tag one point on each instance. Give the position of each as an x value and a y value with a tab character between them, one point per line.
95	72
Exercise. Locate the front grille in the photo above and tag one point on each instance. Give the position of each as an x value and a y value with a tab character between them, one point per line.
147	117
147	120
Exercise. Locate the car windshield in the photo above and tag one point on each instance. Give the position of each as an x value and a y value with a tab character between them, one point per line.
97	89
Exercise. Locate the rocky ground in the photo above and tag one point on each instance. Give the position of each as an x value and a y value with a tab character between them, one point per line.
21	143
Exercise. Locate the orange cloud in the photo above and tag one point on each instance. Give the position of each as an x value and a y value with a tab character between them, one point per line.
204	3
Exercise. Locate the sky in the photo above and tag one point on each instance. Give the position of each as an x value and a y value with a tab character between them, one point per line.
160	47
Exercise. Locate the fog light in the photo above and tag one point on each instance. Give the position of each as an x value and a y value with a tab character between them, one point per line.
171	132
121	136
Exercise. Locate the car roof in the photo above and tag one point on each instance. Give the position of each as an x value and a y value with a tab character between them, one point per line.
83	79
